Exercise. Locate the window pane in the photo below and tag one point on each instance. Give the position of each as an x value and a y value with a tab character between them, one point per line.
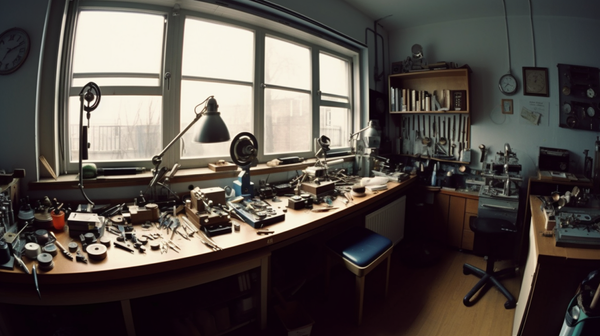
287	64
217	51
335	123
334	75
235	104
288	122
131	43
121	128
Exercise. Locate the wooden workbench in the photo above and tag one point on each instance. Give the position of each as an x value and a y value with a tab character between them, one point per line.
122	276
550	279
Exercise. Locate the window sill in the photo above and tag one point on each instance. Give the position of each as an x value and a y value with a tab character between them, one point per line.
71	181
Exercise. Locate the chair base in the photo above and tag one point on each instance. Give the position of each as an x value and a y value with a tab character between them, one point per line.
487	277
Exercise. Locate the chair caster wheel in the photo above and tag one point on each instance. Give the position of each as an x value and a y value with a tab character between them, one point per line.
510	304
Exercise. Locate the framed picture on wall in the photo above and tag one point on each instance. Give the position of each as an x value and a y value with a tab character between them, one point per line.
535	82
507	106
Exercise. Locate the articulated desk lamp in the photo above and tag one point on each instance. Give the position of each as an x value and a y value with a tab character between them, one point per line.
91	94
212	129
372	140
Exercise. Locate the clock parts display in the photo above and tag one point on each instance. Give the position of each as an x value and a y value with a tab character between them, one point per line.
579	100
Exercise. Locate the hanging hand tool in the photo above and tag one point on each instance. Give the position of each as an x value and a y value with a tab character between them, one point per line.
459	131
465	129
449	134
417	137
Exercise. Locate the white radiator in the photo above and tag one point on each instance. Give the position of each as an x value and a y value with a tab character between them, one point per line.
388	221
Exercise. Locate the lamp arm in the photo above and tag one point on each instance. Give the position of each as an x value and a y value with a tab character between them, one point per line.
157	159
358	132
81	152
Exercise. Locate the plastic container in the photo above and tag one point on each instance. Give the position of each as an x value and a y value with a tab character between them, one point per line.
58	220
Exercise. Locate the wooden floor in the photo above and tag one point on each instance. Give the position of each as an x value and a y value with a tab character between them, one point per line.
422	301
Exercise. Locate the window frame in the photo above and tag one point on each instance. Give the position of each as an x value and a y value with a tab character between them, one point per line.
173	40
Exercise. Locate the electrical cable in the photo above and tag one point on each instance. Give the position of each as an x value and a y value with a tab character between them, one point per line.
532	33
507	36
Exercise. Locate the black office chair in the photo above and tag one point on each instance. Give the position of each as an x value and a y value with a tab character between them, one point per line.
495	240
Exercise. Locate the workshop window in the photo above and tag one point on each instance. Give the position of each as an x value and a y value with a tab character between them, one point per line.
155	66
124	59
335	109
288	118
218	60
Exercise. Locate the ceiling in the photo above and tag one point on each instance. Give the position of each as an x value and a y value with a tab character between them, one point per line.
399	14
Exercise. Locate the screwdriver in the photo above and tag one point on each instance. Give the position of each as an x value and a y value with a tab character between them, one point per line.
66	253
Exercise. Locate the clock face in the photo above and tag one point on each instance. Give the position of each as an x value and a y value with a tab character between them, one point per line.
14	48
508	84
535	81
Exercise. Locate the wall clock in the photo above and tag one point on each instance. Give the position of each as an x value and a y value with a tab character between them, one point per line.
535	82
508	84
14	48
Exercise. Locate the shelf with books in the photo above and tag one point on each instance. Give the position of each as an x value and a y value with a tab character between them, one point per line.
433	91
440	131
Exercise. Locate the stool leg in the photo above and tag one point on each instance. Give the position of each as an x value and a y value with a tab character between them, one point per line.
387	275
327	275
360	295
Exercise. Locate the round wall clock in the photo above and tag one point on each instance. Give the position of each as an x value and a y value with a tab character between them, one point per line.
14	48
508	84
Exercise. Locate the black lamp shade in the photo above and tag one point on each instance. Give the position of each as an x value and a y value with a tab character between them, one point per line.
212	127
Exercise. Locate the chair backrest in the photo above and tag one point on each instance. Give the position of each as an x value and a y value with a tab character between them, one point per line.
494	238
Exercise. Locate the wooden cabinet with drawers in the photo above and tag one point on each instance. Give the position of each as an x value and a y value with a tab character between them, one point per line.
453	211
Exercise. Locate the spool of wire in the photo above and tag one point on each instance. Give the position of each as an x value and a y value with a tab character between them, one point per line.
45	261
42	236
50	249
32	250
96	251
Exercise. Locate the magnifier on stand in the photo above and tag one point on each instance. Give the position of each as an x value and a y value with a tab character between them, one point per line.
324	142
372	140
91	94
211	130
244	150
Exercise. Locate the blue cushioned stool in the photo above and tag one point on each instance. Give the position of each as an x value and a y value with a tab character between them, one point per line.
361	250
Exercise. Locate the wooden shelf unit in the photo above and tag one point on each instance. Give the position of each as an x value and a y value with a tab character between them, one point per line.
434	82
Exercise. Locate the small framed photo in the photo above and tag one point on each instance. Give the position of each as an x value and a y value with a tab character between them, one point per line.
507	106
535	82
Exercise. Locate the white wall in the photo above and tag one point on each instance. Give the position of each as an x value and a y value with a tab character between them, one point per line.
482	44
18	91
